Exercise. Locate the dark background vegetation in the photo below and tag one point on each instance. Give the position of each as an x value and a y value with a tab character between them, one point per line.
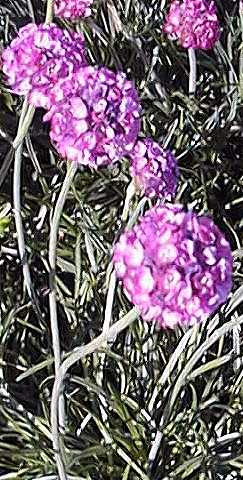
121	395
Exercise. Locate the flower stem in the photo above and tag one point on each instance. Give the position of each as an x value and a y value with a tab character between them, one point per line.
106	326
25	120
55	221
20	229
49	11
74	357
109	302
25	117
24	124
193	71
131	190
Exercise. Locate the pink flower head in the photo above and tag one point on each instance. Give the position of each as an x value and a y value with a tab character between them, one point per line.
155	169
72	8
95	116
38	57
175	266
193	22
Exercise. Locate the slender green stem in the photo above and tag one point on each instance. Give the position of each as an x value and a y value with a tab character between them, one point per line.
135	214
131	190
74	357
193	71
23	114
25	120
109	302
24	124
55	221
31	10
106	326
230	57
49	11
19	227
26	115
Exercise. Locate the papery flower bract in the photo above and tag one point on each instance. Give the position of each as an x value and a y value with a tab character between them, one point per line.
95	116
72	8
175	266
193	22
38	57
155	169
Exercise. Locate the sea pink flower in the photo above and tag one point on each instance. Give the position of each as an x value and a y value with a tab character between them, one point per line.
175	266
72	8
193	22
38	57
154	169
95	116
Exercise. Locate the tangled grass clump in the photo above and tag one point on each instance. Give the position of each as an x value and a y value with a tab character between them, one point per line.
88	389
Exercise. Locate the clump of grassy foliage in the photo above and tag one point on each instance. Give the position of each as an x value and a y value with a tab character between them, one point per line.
181	388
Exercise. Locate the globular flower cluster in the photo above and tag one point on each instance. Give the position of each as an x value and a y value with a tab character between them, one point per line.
38	57
154	169
72	9
175	266
95	116
194	23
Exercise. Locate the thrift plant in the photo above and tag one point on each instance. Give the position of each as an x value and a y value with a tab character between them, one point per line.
121	351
